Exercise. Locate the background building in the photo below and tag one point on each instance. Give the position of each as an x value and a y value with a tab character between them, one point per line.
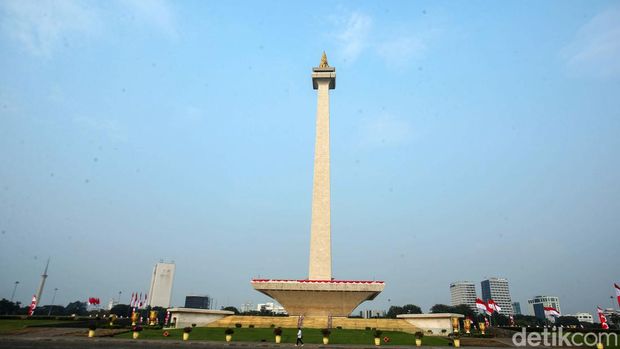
463	292
197	302
272	307
583	317
516	307
369	314
161	285
497	289
536	305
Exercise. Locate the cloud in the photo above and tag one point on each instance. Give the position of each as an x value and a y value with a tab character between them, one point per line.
385	130
156	13
41	26
353	37
400	51
396	45
595	50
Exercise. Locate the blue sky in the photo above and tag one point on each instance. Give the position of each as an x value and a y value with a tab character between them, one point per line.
469	139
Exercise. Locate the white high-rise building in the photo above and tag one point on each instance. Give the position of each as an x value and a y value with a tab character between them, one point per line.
463	292
497	289
160	292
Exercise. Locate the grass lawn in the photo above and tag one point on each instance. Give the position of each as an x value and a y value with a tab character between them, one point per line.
10	326
289	336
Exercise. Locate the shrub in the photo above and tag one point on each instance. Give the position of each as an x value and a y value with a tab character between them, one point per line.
229	331
339	327
277	331
187	329
92	326
378	333
326	332
136	328
367	328
238	325
251	326
418	335
429	332
272	325
193	325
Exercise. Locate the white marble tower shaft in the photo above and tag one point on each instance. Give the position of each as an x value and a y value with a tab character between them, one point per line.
320	266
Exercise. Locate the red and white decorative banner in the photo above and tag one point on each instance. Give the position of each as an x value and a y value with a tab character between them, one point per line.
33	305
602	319
491	304
617	293
550	311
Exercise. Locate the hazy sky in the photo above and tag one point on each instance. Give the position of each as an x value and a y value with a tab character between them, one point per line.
469	139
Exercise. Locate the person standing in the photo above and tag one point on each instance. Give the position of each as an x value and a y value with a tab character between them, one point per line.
299	337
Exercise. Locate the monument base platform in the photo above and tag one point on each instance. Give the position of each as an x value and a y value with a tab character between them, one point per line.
319	297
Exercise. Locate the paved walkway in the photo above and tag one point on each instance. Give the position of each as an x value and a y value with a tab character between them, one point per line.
22	342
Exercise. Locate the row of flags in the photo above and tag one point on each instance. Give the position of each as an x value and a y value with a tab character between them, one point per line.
138	300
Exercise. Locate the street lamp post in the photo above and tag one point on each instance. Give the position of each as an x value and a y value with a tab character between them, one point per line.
53	299
14	289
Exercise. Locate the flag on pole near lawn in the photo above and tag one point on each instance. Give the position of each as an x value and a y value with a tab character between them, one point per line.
617	293
131	300
550	311
602	319
33	305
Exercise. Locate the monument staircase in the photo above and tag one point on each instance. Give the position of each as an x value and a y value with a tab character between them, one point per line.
314	322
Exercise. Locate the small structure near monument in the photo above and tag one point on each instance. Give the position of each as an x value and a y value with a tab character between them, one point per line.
320	294
183	317
432	322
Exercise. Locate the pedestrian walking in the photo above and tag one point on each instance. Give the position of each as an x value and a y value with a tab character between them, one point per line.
300	336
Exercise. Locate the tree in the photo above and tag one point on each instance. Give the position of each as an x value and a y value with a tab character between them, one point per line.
411	309
7	307
55	310
568	321
441	308
121	310
77	308
405	309
463	310
231	308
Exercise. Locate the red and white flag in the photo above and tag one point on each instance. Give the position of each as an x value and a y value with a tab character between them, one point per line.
33	305
512	320
550	311
602	319
481	305
131	300
617	292
491	303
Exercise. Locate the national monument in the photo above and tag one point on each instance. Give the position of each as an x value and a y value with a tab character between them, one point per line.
320	294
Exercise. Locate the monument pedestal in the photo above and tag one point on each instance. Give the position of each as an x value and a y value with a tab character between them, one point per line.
319	297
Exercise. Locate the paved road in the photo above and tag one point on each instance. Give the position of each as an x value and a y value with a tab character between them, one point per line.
19	342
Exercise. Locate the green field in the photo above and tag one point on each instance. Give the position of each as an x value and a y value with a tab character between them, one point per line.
11	326
289	335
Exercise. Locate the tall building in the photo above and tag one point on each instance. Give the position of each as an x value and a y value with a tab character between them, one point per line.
537	304
497	289
161	285
197	302
516	307
463	292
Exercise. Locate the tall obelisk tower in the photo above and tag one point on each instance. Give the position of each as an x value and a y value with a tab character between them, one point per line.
323	80
42	284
